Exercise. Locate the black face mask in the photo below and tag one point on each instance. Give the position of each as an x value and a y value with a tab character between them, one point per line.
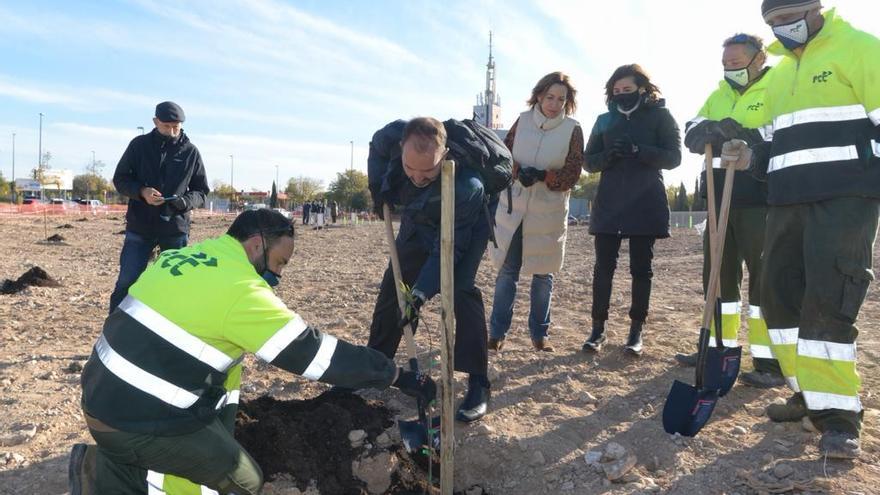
626	101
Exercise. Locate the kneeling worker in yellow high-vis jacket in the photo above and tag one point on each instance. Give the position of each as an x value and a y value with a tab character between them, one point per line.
160	390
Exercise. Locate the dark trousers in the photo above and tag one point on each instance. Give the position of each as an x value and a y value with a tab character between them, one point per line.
209	456
641	253
135	255
817	269
471	350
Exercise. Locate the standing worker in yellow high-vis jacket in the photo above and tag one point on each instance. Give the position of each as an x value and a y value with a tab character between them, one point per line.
161	386
736	110
822	164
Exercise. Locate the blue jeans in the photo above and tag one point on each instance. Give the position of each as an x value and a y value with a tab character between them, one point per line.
505	295
134	257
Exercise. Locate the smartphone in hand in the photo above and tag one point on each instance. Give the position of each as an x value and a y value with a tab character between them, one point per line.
170	198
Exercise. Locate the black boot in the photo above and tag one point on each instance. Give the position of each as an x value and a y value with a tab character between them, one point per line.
597	337
634	342
476	401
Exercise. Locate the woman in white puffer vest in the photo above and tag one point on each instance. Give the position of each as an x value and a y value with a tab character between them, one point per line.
532	219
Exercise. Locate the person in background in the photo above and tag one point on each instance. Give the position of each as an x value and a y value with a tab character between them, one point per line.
547	147
164	178
630	146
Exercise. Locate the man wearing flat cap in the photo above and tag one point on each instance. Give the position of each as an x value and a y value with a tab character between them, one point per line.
164	178
821	161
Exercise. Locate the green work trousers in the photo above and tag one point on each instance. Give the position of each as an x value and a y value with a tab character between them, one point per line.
744	242
817	269
131	463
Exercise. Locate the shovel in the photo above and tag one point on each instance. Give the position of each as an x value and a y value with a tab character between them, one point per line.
414	434
688	408
722	363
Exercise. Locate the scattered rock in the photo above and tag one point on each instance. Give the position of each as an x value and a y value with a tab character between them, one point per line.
484	429
593	457
739	430
17	458
383	440
12	439
375	471
587	398
74	367
537	459
614	451
782	471
357	437
615	470
65	226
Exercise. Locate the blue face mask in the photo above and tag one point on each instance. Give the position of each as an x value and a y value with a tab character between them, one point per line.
271	277
793	35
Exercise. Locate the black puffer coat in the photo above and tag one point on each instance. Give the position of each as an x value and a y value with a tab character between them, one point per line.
631	199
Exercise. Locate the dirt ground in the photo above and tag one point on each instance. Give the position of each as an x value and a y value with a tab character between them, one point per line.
548	409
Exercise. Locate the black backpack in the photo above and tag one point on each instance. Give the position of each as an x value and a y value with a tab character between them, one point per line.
474	145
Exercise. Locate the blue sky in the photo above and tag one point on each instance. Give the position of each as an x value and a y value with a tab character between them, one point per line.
291	83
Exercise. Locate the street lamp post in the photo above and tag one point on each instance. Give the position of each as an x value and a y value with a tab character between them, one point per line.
232	173
141	129
351	165
40	158
14	193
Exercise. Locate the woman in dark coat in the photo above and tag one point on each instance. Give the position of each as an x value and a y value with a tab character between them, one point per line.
630	145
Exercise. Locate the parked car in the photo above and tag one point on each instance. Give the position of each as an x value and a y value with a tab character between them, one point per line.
91	202
255	206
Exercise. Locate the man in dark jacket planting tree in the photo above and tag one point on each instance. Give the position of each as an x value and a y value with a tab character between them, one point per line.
404	168
630	145
164	178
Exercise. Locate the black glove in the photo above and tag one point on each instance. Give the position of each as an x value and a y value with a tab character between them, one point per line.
178	203
626	147
612	155
415	384
529	175
696	138
723	131
411	311
378	204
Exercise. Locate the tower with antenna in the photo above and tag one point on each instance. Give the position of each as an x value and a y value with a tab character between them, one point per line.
487	111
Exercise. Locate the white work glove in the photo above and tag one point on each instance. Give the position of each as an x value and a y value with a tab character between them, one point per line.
737	154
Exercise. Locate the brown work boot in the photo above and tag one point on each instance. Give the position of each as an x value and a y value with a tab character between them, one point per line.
542	345
840	445
794	409
495	344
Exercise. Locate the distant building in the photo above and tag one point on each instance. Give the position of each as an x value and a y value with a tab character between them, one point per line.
487	111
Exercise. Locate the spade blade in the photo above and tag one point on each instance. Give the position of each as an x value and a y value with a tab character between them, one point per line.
722	368
688	409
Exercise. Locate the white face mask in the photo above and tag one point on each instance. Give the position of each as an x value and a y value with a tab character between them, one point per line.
793	35
739	78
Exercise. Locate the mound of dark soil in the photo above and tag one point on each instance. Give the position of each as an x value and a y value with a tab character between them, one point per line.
55	238
309	438
82	219
35	276
65	226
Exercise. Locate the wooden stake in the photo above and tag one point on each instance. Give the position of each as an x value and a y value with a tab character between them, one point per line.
447	345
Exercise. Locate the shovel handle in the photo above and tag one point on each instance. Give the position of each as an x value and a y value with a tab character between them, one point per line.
398	278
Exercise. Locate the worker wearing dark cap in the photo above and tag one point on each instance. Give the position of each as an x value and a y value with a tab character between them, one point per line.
821	161
163	176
